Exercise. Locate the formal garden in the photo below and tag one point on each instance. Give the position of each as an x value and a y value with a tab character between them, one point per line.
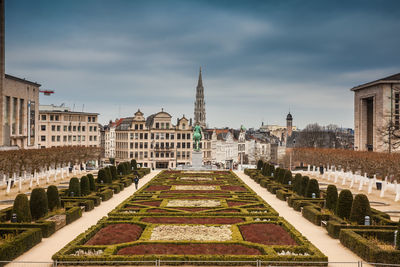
43	211
191	216
368	232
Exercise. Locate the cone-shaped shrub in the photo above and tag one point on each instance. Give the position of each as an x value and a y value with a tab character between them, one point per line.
281	175
120	169
134	164
85	186
38	203
287	177
312	187
108	175
22	209
74	187
331	197
92	185
276	173
303	186
344	204
53	198
114	175
102	176
128	168
271	169
259	164
359	209
297	183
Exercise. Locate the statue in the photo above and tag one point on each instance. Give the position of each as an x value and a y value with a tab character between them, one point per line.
197	137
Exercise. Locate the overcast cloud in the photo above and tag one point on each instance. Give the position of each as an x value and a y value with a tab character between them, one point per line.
259	58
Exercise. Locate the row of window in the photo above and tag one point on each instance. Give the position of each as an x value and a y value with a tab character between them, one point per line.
157	136
66	118
144	155
69	128
69	138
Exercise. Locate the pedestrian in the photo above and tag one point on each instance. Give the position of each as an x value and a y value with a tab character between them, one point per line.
136	180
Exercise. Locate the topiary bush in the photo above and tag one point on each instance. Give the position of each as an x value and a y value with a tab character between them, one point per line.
312	187
74	187
113	170
121	169
359	209
344	204
297	183
331	197
38	203
21	208
287	177
134	164
259	164
128	168
53	198
101	176
85	186
108	175
276	173
303	185
92	184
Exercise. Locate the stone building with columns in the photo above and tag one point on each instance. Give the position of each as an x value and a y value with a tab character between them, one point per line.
376	110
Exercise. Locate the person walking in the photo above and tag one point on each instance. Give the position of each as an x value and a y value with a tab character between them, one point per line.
136	181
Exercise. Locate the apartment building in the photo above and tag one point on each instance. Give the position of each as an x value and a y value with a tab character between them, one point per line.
154	141
59	126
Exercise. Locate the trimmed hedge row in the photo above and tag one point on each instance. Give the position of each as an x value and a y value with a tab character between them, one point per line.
25	239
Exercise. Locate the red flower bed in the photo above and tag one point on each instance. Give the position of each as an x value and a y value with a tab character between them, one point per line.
115	234
133	207
158	210
227	210
191	197
232	203
236	188
192	209
189	249
220	220
150	203
267	234
197	183
195	191
157	188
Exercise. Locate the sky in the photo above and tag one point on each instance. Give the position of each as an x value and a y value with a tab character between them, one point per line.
259	59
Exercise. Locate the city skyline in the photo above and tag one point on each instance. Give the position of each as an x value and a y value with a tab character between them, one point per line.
265	58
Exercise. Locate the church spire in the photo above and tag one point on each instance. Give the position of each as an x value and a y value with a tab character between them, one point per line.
200	82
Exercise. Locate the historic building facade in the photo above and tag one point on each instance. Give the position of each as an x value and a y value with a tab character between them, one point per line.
154	141
59	126
199	104
376	111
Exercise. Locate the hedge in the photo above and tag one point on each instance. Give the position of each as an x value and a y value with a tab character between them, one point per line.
106	194
5	214
259	164
312	188
303	186
95	198
344	204
25	240
73	214
53	198
91	182
283	194
297	183
113	170
85	186
360	209
38	203
74	187
22	209
47	227
314	214
357	242
331	197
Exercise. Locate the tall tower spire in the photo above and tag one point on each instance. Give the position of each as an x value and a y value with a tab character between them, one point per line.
199	104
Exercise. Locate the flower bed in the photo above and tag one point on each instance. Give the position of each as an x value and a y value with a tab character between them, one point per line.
196	178
200	220
195	187
191	233
193	203
157	188
267	234
150	203
233	188
236	203
189	249
115	234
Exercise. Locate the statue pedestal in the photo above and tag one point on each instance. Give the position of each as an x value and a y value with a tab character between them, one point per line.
197	159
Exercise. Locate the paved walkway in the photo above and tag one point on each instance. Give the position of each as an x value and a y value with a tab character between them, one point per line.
332	248
49	246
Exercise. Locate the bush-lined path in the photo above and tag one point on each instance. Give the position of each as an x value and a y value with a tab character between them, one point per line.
45	249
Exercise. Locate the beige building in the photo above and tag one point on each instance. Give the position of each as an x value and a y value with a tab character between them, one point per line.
59	126
376	108
154	141
19	102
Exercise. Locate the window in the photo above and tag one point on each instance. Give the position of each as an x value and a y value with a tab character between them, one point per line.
141	136
136	145
183	126
74	128
94	138
53	128
83	138
83	128
131	155
69	138
141	145
146	136
131	145
188	136
89	119
172	136
94	119
79	128
131	136
167	125
136	136
43	117
178	136
74	138
188	144
52	117
90	128
43	127
69	128
178	145
58	138
90	138
145	144
95	128
162	125
79	138
167	136
136	126
43	138
53	138
65	138
65	128
57	117
152	135
145	155
183	145
58	128
141	126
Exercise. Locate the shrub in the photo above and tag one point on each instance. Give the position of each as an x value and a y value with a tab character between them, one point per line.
359	209
38	203
53	198
297	183
264	169
85	186
101	176
287	177
114	175
344	204
259	164
331	197
312	187
303	186
128	167
276	172
120	169
134	164
21	208
92	185
108	175
281	175
74	187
